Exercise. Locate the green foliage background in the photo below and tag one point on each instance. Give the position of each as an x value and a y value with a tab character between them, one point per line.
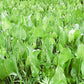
41	42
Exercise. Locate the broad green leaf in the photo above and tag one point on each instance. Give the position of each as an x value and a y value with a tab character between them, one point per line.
74	34
63	37
35	70
30	24
7	67
60	47
33	61
48	47
54	35
80	52
65	55
20	33
77	34
76	66
66	68
2	52
18	49
71	35
6	25
59	77
36	32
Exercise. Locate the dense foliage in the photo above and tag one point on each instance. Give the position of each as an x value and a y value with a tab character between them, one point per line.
41	42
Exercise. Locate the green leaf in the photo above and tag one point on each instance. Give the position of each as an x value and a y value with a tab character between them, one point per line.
71	35
55	61
54	35
2	40
2	52
33	61
35	70
63	37
77	34
65	55
74	34
82	69
59	77
7	67
76	66
48	47
80	52
18	49
6	25
36	32
20	33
